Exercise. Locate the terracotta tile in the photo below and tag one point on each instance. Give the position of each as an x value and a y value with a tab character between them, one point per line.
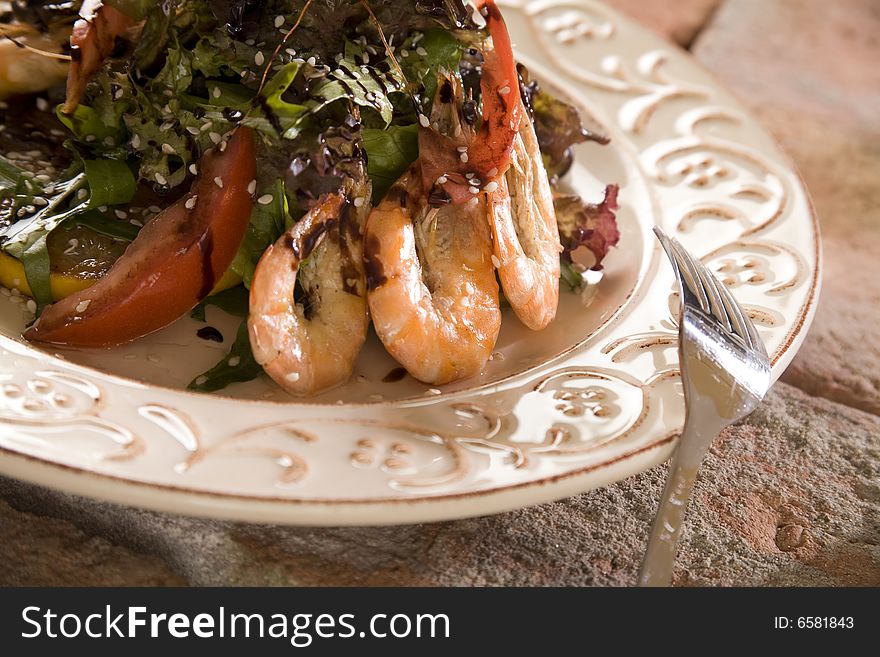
677	20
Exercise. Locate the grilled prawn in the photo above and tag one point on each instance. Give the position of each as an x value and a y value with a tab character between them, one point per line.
308	311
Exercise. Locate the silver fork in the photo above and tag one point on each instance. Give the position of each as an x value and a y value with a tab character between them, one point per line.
725	372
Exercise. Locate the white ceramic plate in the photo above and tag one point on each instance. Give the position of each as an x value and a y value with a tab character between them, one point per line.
590	400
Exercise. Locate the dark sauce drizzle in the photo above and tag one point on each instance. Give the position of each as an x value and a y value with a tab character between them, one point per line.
210	333
394	375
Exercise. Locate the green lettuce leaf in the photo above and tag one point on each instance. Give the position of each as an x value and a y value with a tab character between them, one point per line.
238	365
436	50
266	225
233	301
109	182
389	153
98	222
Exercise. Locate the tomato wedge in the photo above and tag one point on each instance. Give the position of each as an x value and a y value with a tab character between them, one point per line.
172	264
488	155
92	40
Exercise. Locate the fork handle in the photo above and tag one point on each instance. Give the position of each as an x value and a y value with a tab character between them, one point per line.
659	558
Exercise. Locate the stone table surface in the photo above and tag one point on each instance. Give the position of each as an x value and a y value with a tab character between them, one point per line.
795	494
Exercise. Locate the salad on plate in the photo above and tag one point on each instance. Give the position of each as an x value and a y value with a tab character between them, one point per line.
316	167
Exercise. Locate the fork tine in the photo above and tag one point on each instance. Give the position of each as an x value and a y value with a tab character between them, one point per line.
739	323
757	342
743	326
689	283
722	303
718	310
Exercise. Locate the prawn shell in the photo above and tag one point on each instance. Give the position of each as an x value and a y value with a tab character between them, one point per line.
432	290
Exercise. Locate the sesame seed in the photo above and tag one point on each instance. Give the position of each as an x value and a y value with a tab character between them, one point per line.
291	52
234	361
221	146
161	179
136	141
469	175
42	104
215	137
293	377
442	180
491	187
219	182
82	193
311	61
200	380
193	169
82	305
496	262
432	391
168	149
423	120
155	209
462	149
493	172
265	199
504	91
90	138
252	186
279	20
191	202
358	202
135	222
217	93
474	190
463	157
404	53
192	130
120	214
421	52
259	59
31	305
